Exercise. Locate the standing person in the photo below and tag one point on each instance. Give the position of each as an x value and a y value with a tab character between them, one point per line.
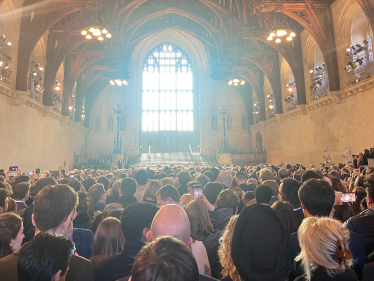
21	194
184	178
98	193
54	209
11	233
3	201
141	178
288	191
126	192
149	193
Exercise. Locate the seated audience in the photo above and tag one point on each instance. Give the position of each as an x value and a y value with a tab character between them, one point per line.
109	240
98	194
285	209
263	194
288	191
46	257
167	195
127	192
21	194
149	193
325	254
167	258
11	233
136	221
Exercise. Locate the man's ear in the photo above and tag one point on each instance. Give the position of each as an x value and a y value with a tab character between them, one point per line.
120	192
190	241
33	220
1	210
57	276
302	205
169	200
148	236
145	231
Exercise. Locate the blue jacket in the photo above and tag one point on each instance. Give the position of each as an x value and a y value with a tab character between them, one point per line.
83	240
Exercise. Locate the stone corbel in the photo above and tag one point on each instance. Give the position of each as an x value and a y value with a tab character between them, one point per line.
278	117
335	96
302	108
20	97
47	110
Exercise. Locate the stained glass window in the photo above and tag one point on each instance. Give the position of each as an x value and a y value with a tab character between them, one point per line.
167	100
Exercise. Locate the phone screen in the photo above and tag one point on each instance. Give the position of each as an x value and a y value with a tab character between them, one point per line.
13	168
72	176
197	193
264	165
348	197
30	173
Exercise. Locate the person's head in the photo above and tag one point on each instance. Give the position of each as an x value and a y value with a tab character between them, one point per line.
128	187
240	178
324	242
252	181
337	185
141	177
309	175
167	181
11	233
317	198
248	196
22	178
171	220
225	179
263	194
261	244
21	191
136	221
151	189
285	209
54	209
211	191
369	183
283	173
87	183
210	175
198	215
46	257
274	186
224	251
40	184
228	199
185	199
166	258
109	239
202	179
183	178
75	184
104	181
266	174
12	205
215	172
298	175
167	195
288	191
98	193
3	201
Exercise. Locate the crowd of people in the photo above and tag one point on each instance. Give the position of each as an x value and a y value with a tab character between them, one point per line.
267	222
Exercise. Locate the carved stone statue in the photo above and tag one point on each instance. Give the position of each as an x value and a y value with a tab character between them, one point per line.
327	157
348	155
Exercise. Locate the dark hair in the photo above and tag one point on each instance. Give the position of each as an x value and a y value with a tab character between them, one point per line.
96	191
135	218
337	185
240	176
22	178
20	190
168	191
298	175
215	172
309	175
128	186
10	224
87	183
356	205
285	209
228	199
369	183
263	193
40	184
43	257
364	203
75	184
53	205
211	191
104	181
290	189
283	173
183	177
141	177
166	258
210	175
317	196
63	181
248	196
343	212
3	196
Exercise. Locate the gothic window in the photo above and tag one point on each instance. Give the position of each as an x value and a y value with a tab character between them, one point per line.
110	124
122	124
98	124
167	99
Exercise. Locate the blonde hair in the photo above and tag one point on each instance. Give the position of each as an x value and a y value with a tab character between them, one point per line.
198	214
185	199
151	189
167	181
224	251
266	174
319	238
254	181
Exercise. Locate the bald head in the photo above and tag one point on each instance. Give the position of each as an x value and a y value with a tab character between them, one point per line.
171	220
225	179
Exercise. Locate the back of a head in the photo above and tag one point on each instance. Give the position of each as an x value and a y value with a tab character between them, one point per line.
224	178
20	190
167	181
369	183
335	174
210	175
283	173
104	181
168	191
10	225
211	191
337	185
274	186
96	191
75	184
53	205
171	220
298	175
285	209
317	197
135	218
167	258
41	183
20	179
228	199
183	177
202	179
141	177
261	245
45	256
128	186
240	176
266	174
248	196
263	194
215	173
151	189
290	189
87	183
200	221
309	175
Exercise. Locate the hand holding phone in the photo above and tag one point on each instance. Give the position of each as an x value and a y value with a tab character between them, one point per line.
197	191
348	197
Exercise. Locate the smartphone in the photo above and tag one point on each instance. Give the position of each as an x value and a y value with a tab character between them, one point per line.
366	167
37	171
197	191
264	165
13	168
1	170
72	176
348	197
30	173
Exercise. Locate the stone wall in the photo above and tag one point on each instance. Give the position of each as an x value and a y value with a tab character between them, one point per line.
34	136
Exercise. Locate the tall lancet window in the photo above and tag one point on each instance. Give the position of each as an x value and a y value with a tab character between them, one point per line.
167	101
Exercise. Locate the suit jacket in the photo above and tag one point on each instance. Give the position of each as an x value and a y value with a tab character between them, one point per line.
21	206
27	223
83	239
79	268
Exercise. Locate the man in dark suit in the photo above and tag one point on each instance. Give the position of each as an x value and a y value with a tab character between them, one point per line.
54	209
21	194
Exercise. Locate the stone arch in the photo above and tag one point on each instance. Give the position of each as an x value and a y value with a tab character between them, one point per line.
98	124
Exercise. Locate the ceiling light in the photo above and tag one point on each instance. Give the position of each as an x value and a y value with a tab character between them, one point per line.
289	38
84	32
108	35
57	88
311	71
270	38
278	40
290	89
100	38
104	31
292	34
96	32
88	36
271	106
281	32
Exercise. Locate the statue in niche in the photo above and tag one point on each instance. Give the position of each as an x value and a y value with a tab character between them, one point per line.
229	122
348	155
244	123
214	122
327	157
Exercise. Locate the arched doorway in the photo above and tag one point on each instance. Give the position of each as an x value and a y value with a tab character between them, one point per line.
168	118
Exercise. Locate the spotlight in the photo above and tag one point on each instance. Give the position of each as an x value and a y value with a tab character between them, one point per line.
271	106
57	88
70	108
289	38
290	89
270	38
311	71
9	43
41	68
278	40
